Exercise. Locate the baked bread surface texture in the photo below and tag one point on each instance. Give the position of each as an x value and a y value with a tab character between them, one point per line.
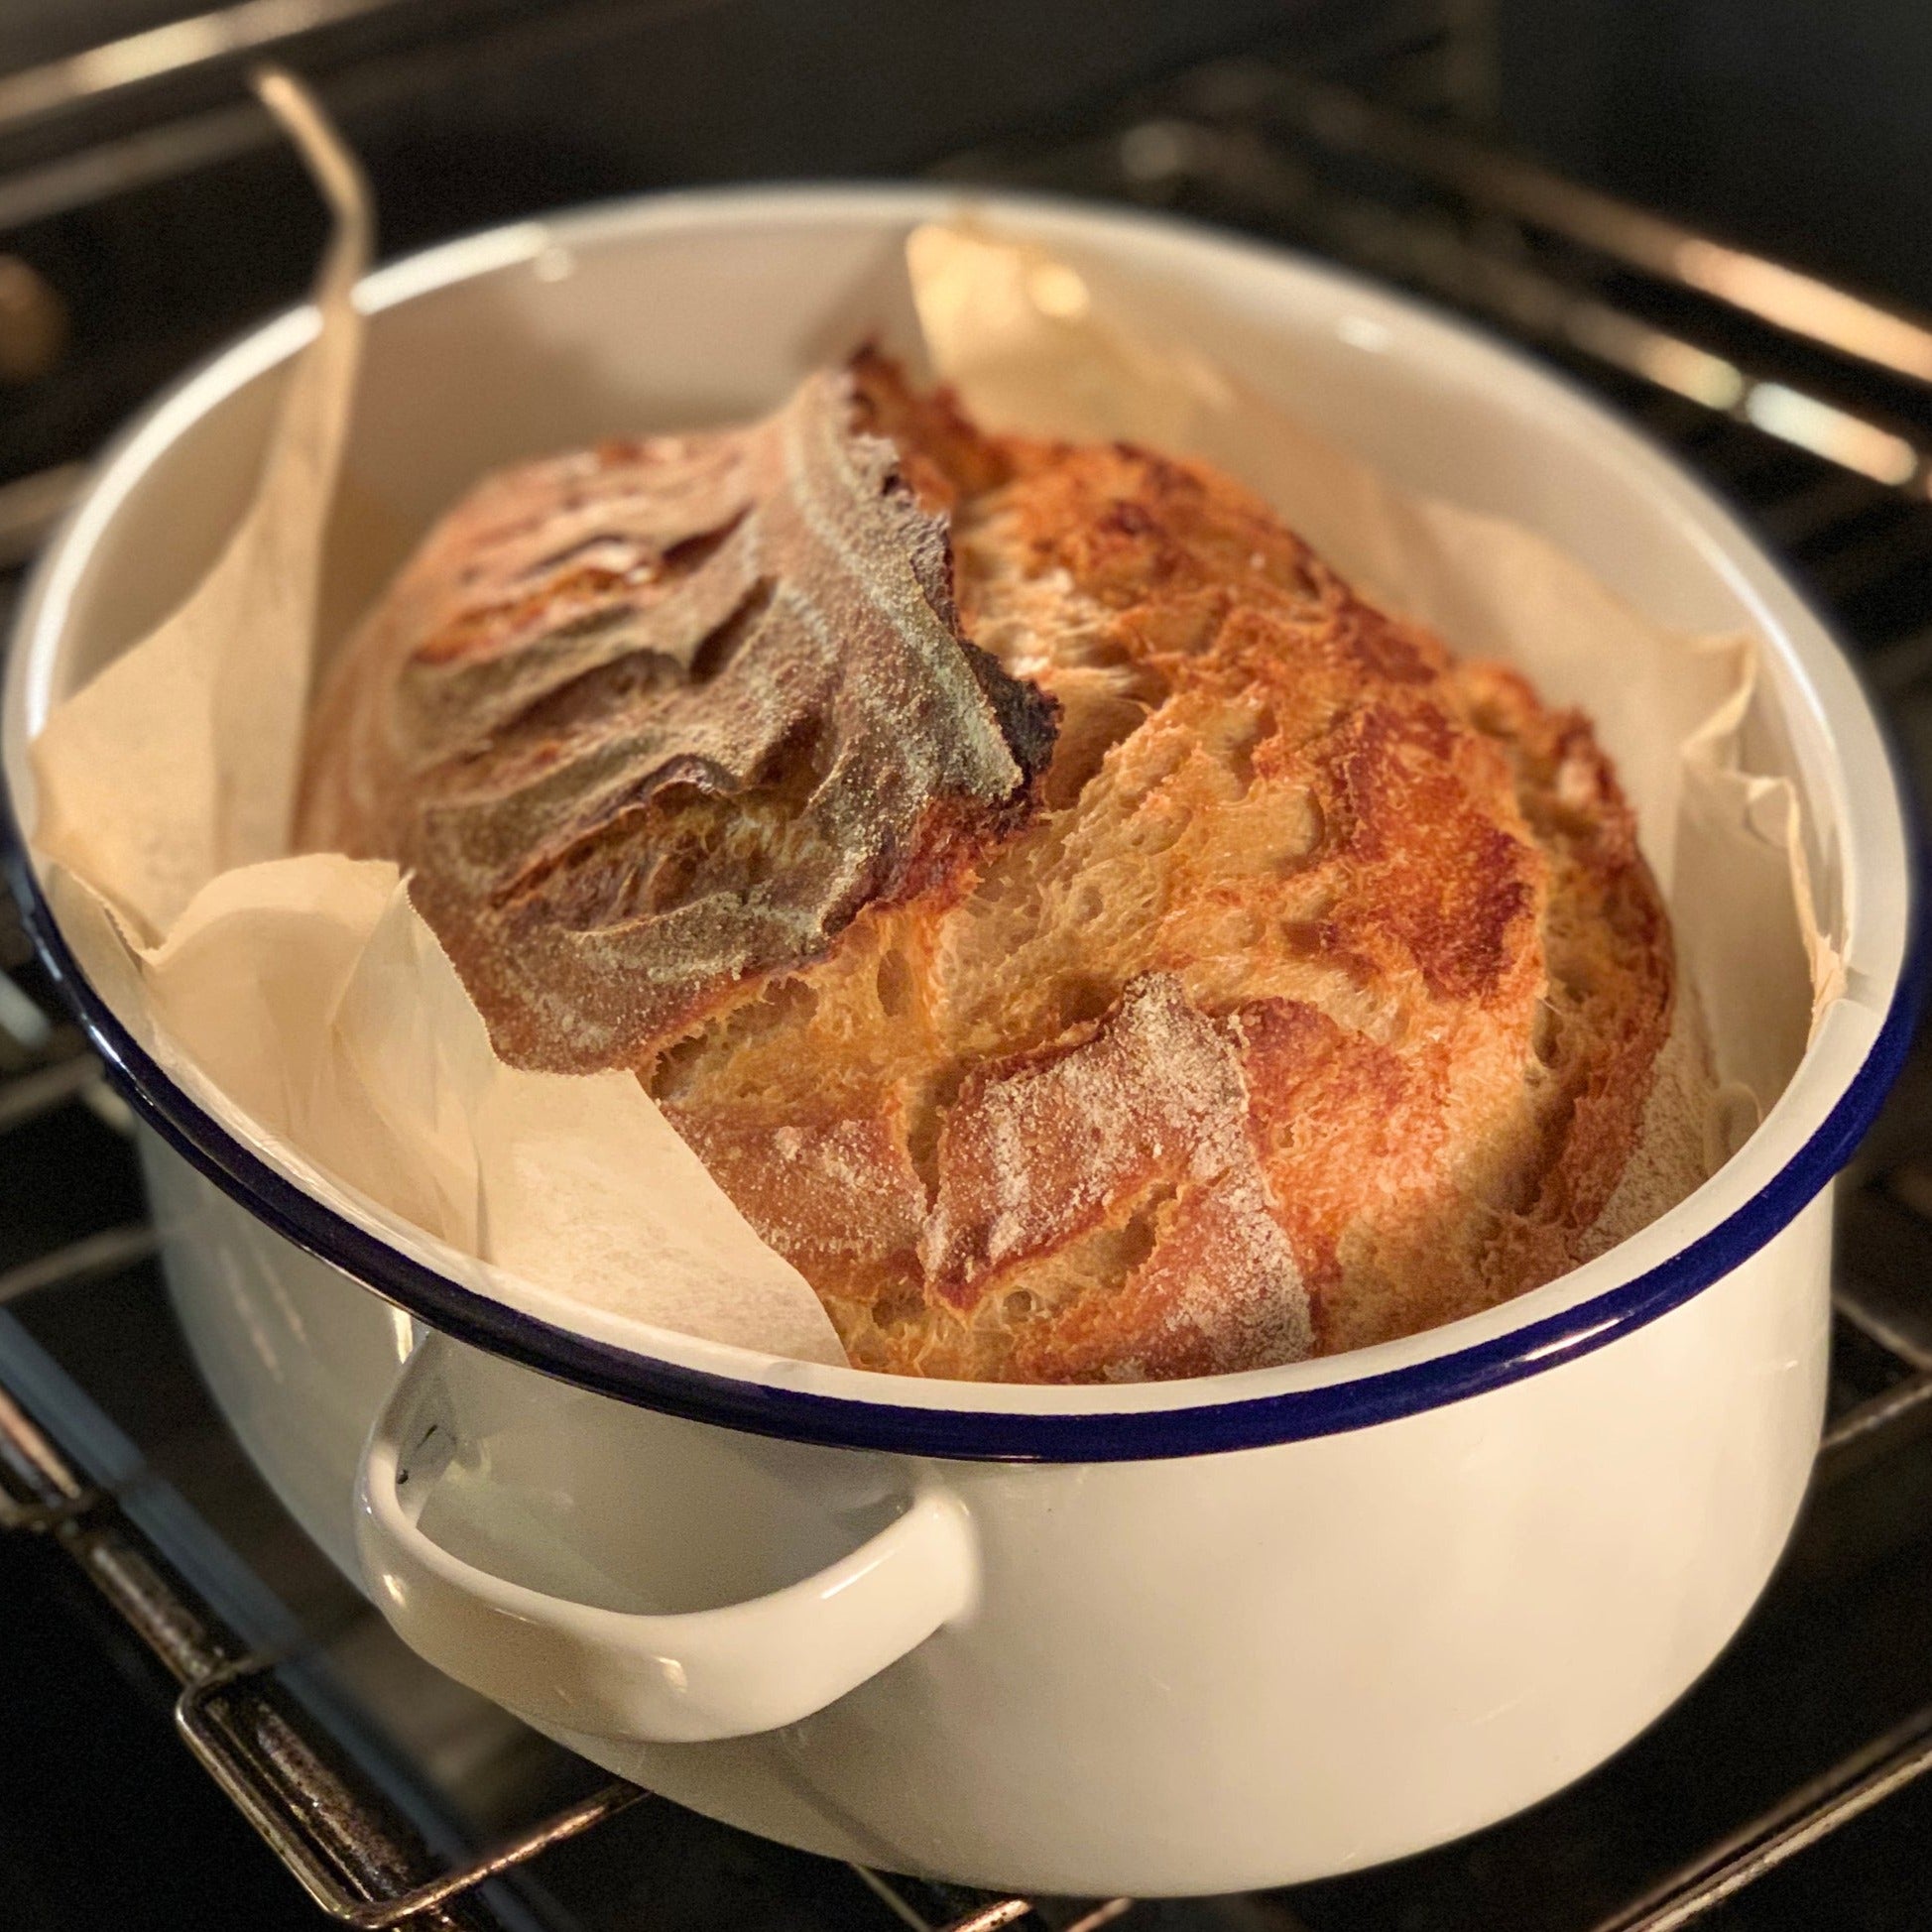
1084	936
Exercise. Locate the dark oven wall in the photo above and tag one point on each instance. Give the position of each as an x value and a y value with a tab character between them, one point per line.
161	218
1799	126
480	111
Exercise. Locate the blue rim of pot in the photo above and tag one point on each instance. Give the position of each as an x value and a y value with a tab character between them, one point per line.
981	1435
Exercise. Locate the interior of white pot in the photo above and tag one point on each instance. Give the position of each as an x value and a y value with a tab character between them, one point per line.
699	308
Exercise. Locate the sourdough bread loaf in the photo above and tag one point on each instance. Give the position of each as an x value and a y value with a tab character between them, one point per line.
1083	935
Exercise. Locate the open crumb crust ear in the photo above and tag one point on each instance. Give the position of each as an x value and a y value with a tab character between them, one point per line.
651	723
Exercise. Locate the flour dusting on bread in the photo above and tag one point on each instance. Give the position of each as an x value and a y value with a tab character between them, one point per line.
657	720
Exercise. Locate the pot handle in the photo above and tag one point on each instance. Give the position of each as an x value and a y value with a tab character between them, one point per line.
683	1678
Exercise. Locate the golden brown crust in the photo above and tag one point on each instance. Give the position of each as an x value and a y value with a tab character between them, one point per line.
1317	1004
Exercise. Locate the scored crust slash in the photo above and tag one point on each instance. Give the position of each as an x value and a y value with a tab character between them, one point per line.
1080	932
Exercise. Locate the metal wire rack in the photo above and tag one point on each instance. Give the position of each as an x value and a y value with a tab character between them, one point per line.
1810	405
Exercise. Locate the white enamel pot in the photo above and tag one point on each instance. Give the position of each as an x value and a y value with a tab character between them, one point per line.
1188	1637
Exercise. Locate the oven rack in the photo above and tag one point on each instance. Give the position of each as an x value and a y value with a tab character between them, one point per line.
1812	413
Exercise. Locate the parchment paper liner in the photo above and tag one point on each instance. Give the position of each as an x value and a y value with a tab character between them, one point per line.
303	1002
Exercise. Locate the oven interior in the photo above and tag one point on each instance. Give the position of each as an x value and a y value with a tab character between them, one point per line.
146	214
